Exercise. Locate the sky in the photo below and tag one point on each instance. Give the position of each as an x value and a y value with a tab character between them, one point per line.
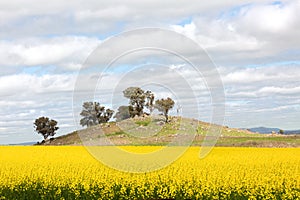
46	46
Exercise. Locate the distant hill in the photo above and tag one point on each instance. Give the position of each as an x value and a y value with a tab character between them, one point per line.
23	144
266	130
291	132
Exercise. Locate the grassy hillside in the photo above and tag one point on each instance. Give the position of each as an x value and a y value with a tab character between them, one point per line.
153	131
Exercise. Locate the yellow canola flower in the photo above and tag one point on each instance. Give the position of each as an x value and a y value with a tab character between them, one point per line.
226	173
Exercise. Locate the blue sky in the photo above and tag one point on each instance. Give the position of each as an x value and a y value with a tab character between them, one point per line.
254	44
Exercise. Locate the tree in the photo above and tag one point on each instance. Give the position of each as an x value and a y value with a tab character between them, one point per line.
123	113
136	98
106	116
281	131
164	105
150	101
93	113
45	126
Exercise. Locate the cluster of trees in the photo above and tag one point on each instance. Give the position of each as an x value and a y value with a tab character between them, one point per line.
139	99
93	113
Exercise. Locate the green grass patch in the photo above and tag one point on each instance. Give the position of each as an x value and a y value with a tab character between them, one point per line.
143	122
116	133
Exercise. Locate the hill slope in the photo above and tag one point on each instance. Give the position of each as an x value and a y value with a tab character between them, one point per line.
179	131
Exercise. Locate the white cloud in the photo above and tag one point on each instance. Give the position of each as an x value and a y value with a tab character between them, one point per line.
250	33
217	35
28	84
186	29
268	19
276	74
41	45
247	102
262	96
34	18
107	14
68	52
271	90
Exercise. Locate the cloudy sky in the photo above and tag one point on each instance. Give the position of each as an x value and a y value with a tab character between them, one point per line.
255	46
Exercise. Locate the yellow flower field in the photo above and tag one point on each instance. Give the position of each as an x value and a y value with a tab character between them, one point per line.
226	173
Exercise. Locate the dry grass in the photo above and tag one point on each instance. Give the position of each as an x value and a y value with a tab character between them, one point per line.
153	131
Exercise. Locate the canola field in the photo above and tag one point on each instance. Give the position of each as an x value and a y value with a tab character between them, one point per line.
226	173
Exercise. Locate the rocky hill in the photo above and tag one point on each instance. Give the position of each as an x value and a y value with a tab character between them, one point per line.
179	131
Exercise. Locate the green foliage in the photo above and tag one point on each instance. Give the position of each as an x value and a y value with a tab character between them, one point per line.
123	113
119	133
150	101
94	114
143	122
162	190
137	100
45	126
164	105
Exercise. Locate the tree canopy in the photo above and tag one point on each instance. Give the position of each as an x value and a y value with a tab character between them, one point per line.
45	126
93	113
136	98
164	105
150	101
123	113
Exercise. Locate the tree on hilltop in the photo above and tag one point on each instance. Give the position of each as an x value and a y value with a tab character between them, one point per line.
136	98
93	113
150	101
164	106
123	113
